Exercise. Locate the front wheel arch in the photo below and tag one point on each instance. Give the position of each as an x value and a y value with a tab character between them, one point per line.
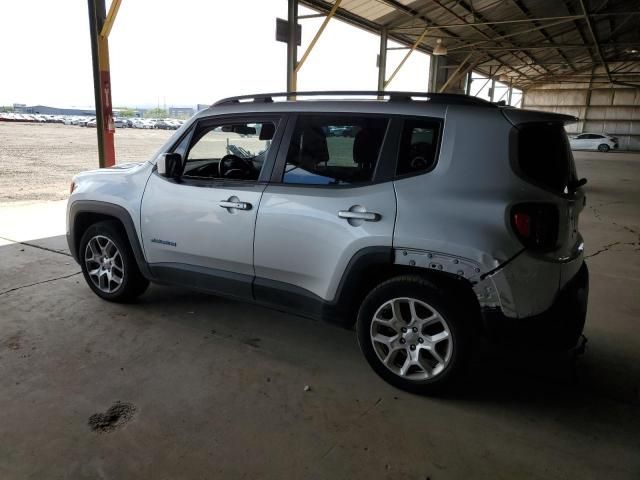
106	259
84	213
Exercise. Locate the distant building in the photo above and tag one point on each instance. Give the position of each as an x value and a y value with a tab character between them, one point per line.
117	112
45	110
176	112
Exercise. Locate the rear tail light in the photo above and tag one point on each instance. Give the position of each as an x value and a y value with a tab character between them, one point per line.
536	225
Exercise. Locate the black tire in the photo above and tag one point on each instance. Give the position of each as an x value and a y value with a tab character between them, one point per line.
449	310
133	282
603	147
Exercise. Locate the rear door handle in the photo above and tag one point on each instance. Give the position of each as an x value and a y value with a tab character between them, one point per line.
367	216
236	205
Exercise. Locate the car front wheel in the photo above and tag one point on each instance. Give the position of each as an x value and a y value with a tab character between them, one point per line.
413	335
603	147
108	264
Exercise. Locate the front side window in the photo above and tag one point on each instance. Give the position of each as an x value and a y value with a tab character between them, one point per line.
334	150
235	151
418	146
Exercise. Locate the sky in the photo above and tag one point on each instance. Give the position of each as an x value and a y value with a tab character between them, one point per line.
181	53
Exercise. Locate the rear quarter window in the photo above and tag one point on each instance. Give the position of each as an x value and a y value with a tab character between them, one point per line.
544	156
418	146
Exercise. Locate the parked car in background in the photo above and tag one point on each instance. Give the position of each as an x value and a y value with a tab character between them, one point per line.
83	121
167	124
339	131
119	123
92	123
163	125
7	117
593	141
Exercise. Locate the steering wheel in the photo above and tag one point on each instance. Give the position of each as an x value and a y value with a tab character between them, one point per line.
232	166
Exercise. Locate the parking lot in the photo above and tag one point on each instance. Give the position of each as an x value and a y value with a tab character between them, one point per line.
211	388
28	150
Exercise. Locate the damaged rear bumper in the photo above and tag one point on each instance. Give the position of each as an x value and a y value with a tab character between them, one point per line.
559	327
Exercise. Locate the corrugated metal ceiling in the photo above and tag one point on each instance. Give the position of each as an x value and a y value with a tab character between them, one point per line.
530	41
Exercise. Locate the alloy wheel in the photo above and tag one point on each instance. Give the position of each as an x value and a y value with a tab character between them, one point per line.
411	338
104	264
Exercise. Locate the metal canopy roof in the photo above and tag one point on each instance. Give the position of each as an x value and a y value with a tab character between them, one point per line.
530	41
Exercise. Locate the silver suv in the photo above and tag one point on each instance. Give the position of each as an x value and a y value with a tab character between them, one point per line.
427	219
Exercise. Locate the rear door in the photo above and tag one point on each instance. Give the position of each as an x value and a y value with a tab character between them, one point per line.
327	201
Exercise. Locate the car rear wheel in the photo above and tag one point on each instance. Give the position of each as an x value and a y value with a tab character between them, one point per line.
108	264
603	147
414	335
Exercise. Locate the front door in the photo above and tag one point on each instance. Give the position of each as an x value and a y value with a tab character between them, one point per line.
198	231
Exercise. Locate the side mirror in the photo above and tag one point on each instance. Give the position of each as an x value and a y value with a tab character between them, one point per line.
170	165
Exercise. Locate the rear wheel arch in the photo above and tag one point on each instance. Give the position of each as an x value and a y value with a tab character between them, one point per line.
372	266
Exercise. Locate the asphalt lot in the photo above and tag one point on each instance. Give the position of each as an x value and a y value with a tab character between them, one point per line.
210	388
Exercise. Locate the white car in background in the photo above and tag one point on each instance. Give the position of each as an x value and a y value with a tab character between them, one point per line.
593	141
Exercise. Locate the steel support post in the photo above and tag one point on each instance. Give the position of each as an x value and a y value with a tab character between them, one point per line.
382	60
407	55
318	34
434	65
454	77
102	81
292	46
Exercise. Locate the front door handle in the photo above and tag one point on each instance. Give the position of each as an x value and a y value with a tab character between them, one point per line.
367	216
235	205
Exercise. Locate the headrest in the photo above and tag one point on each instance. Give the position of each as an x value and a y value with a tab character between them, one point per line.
366	146
314	147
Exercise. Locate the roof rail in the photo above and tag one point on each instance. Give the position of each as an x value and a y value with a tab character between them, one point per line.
451	98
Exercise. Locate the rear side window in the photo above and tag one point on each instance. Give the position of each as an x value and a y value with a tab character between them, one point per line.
418	146
544	156
334	150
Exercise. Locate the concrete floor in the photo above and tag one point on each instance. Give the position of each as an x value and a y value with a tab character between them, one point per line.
218	386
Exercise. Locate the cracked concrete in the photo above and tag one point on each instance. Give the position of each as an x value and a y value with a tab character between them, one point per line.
218	386
38	283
